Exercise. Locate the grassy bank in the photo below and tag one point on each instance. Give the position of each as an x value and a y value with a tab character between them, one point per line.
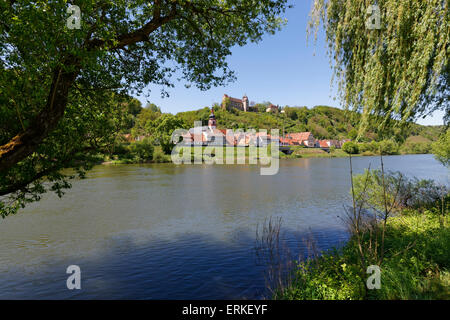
152	155
412	249
416	265
155	154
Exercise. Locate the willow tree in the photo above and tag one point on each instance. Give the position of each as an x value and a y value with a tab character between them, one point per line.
58	60
390	57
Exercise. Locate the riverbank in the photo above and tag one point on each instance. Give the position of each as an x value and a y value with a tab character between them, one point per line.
416	263
298	152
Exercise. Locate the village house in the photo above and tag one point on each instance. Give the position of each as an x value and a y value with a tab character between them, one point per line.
211	136
324	143
302	138
285	141
272	108
208	135
330	143
262	139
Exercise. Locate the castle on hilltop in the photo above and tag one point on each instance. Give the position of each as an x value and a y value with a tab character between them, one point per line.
240	104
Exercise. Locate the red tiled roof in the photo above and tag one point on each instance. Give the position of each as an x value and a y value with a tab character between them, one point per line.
288	141
233	99
323	143
199	137
299	136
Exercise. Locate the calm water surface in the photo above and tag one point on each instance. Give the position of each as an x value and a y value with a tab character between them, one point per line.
177	232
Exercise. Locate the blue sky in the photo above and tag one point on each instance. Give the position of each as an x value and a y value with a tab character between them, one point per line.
283	69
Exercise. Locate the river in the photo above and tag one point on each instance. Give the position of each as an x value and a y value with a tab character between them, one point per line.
161	231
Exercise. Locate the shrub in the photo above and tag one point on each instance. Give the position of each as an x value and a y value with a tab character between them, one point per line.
388	147
368	153
141	150
350	147
121	149
441	148
401	191
416	145
160	157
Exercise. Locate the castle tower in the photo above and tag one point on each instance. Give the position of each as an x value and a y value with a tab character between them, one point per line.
212	120
245	103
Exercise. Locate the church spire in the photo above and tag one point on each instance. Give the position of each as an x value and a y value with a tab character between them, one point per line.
212	120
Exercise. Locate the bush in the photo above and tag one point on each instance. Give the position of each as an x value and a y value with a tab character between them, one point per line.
401	191
160	157
368	153
441	149
350	147
416	147
121	149
370	147
388	147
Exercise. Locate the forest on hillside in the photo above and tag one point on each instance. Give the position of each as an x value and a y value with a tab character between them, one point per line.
323	121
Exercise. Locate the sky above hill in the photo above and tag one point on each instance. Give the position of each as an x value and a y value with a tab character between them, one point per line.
282	68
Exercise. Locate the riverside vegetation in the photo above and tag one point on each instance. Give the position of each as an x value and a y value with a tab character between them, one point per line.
397	223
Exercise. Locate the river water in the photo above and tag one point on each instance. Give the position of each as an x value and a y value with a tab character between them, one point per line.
161	231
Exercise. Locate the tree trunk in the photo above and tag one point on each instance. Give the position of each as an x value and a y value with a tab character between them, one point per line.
25	143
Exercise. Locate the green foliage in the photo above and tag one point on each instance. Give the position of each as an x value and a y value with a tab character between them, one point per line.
401	192
415	266
418	263
441	148
134	107
145	121
350	147
56	83
153	108
416	145
372	147
166	125
332	276
324	122
89	131
388	147
141	151
353	134
400	71
159	156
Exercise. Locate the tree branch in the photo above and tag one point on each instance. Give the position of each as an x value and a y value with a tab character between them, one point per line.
25	143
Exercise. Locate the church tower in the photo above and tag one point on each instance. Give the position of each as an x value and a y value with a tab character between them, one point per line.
212	120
